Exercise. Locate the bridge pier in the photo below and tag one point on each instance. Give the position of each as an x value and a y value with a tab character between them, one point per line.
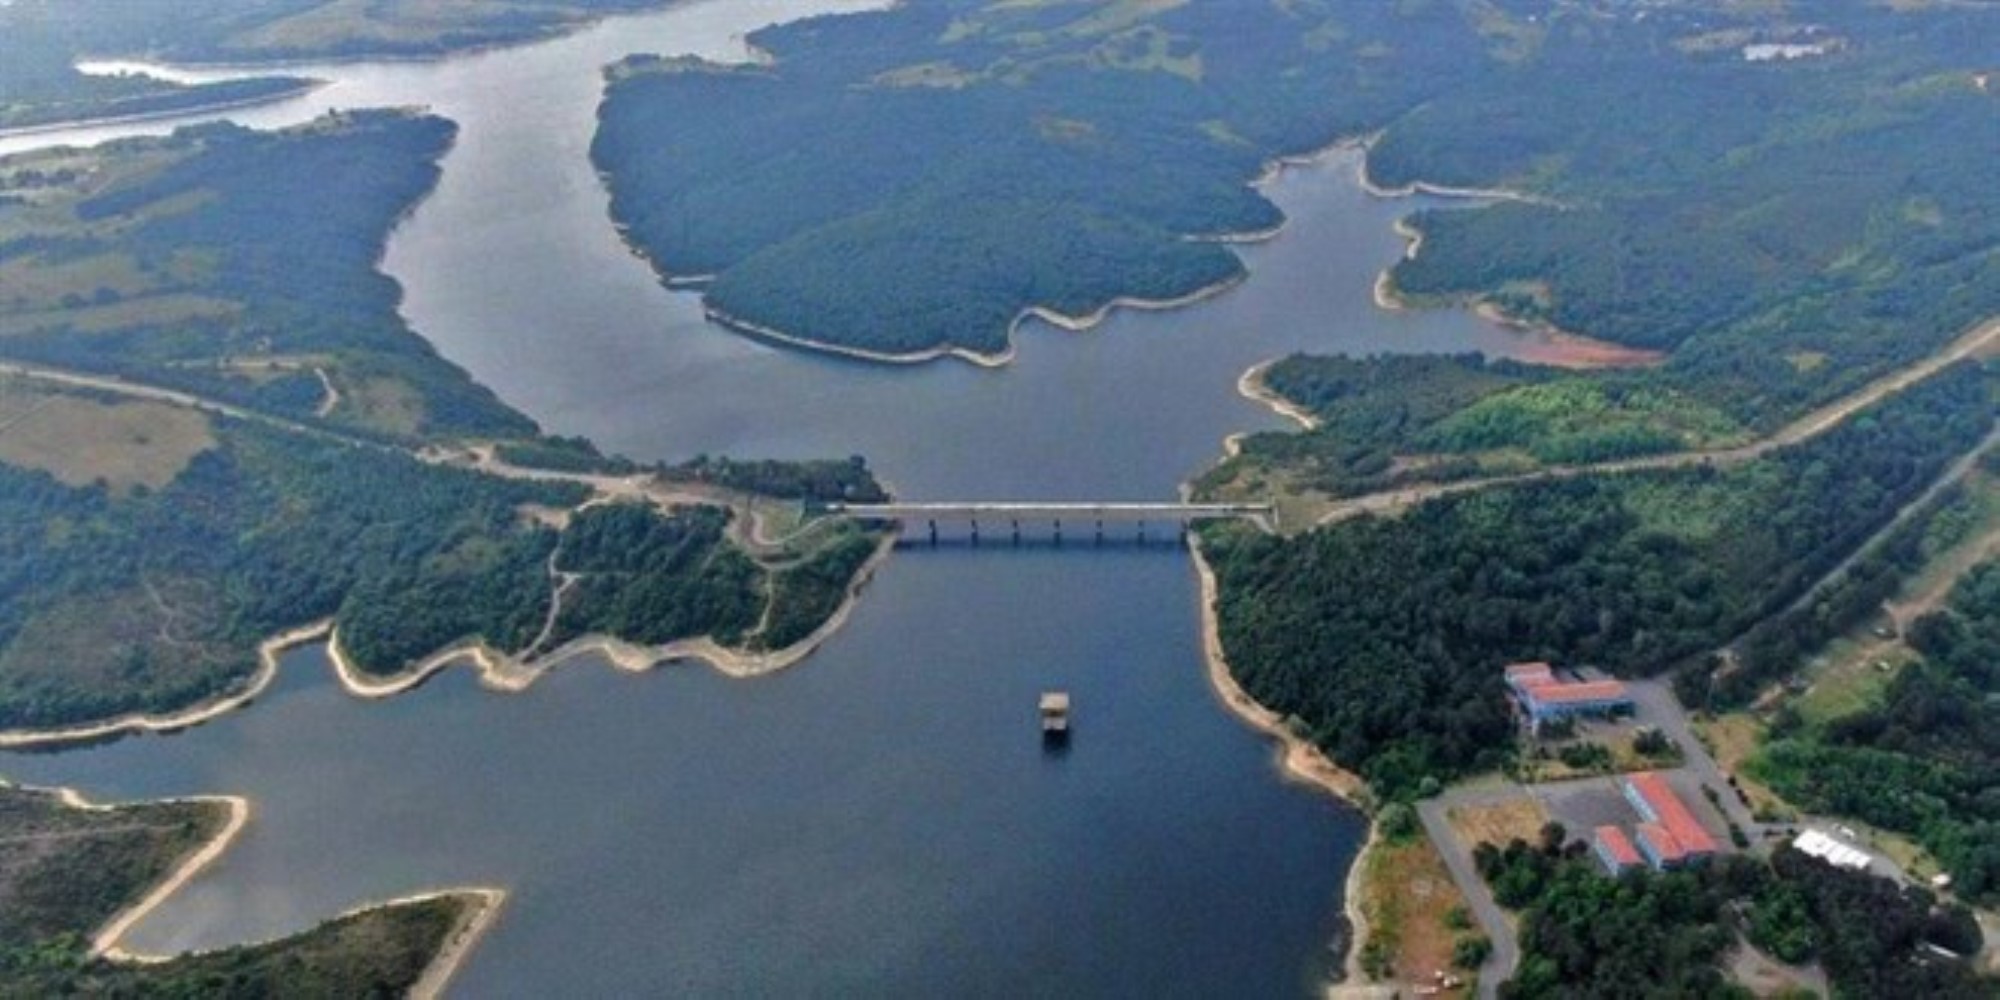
975	533
1017	533
1059	532
1100	531
933	525
1142	532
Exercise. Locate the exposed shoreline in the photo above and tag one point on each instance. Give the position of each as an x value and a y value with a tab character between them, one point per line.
995	360
497	671
268	653
483	902
104	943
1565	348
1298	760
141	117
1423	187
1251	386
482	909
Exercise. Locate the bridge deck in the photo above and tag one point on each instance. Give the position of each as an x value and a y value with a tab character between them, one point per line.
1003	510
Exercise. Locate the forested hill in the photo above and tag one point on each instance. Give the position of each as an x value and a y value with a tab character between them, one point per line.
912	180
1385	636
150	548
41	41
1792	202
240	265
1795	197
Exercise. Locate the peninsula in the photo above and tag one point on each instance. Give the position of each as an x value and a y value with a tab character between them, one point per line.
75	874
249	440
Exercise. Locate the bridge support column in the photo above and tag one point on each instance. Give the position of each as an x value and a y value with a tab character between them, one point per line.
1142	532
975	532
1059	532
933	526
1100	532
1017	533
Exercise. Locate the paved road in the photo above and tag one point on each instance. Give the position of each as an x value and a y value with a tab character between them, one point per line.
1492	919
1659	707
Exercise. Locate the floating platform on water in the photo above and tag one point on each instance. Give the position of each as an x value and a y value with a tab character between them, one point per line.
1055	714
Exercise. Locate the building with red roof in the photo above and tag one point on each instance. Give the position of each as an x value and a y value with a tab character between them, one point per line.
1685	839
1530	673
1615	850
1544	697
1662	851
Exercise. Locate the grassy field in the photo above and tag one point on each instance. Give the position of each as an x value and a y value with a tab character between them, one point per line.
1500	823
1853	671
1731	739
341	26
81	441
1415	913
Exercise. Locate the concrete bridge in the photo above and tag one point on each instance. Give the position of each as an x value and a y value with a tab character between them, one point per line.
1080	516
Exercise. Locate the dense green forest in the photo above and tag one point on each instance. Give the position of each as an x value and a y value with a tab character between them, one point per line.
913	179
1788	227
653	580
818	481
1776	647
43	40
1385	635
65	871
375	953
209	261
1648	934
155	599
1924	761
813	480
119	599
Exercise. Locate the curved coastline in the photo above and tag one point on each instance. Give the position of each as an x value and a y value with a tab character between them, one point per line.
1000	359
104	943
1297	759
268	653
483	902
1566	349
1251	386
1273	168
497	671
483	908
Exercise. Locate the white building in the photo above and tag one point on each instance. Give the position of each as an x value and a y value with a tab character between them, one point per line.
1831	851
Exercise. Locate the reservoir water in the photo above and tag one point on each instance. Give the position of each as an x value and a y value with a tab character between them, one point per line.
882	818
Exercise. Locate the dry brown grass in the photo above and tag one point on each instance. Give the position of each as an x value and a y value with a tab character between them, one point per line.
81	441
1731	739
1406	896
161	310
385	404
1500	822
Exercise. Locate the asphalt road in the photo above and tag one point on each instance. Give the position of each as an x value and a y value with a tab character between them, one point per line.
1499	966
